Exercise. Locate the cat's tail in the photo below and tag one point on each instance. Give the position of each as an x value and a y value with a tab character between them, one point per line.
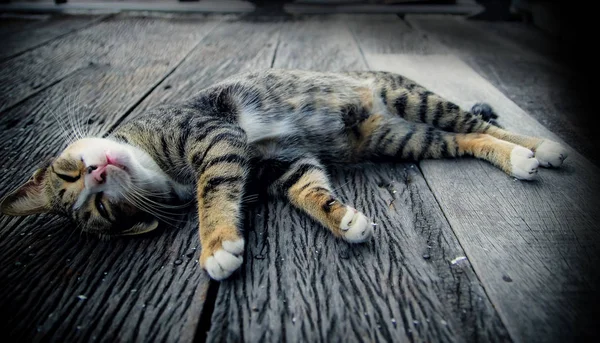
486	113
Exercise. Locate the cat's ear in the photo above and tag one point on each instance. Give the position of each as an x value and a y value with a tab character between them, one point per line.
30	198
141	227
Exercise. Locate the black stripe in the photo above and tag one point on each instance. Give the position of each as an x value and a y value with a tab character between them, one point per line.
423	106
467	116
61	193
405	141
308	184
384	95
318	189
166	151
224	136
444	148
184	133
439	111
400	105
213	183
427	143
207	130
300	171
229	158
381	138
120	137
474	122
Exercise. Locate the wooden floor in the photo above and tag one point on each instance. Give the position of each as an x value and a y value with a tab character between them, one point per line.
461	252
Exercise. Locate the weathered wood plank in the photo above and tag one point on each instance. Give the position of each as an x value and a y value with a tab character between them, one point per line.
541	83
298	283
534	245
31	72
231	48
62	286
31	36
389	34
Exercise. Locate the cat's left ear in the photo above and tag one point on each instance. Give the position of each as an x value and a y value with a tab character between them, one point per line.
141	227
30	198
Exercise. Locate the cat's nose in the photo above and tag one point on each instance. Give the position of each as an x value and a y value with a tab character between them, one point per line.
98	173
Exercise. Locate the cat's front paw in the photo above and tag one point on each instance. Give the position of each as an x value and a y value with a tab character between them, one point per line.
224	260
550	154
524	165
355	226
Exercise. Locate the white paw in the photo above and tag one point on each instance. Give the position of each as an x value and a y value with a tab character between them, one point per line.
524	165
356	228
226	260
550	154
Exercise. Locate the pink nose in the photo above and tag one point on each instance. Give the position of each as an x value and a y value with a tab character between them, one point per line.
98	173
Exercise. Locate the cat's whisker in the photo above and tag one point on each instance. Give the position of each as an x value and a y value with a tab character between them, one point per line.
168	219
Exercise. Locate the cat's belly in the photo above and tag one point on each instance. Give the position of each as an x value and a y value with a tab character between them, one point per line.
295	135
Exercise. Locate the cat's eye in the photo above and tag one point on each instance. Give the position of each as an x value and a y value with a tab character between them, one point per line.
67	178
100	206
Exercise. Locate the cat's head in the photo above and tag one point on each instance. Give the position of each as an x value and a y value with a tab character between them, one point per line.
100	183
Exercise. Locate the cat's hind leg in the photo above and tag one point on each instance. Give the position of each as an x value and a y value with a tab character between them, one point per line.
305	183
397	139
414	103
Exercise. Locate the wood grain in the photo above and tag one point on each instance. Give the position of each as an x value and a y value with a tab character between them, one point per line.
62	286
534	245
231	48
31	72
42	31
299	283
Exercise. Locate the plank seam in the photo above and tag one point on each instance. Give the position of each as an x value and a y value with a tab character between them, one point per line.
90	24
205	320
43	88
437	201
362	53
276	48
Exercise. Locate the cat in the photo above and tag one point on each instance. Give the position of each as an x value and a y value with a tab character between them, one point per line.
291	122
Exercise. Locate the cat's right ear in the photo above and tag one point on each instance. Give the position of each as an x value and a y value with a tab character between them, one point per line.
30	198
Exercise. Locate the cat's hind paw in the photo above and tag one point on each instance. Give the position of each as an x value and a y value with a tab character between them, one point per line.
226	260
550	154
355	226
524	165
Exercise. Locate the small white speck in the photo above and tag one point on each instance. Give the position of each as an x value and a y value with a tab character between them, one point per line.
393	321
373	224
443	322
293	319
81	297
458	259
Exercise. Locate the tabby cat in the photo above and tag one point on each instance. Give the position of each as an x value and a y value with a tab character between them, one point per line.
292	123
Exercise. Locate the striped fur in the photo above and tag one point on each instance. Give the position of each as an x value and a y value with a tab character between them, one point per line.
291	124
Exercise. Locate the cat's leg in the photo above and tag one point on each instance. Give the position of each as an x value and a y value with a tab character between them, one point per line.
222	170
305	183
419	105
401	140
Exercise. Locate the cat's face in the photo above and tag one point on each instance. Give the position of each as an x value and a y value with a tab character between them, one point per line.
95	182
